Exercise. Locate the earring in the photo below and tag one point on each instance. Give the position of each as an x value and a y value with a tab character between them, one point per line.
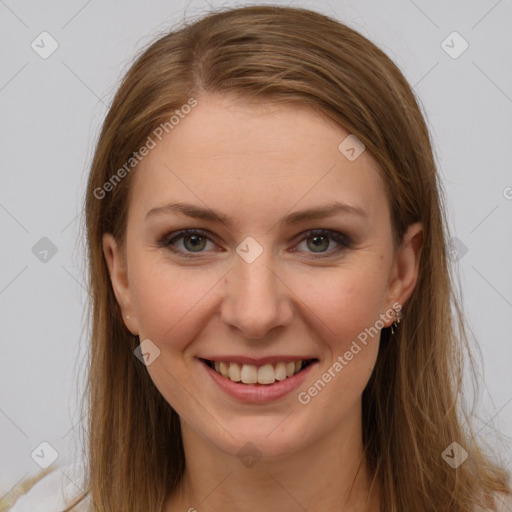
398	314
127	316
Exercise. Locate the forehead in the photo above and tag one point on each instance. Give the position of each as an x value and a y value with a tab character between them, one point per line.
256	156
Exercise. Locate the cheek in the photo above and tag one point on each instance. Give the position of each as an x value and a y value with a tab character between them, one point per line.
347	305
168	299
171	306
172	303
346	301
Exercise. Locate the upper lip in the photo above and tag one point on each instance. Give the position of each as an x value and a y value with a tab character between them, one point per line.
258	361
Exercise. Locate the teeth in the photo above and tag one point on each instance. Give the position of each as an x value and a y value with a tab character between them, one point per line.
266	374
224	369
249	374
252	374
281	371
234	372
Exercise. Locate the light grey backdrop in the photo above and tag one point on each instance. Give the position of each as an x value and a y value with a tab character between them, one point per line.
52	105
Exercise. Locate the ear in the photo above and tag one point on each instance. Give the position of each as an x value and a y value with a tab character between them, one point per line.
116	263
405	269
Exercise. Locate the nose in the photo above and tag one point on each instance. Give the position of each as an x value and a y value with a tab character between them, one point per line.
256	299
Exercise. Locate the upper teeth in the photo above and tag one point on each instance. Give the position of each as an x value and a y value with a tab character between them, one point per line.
252	374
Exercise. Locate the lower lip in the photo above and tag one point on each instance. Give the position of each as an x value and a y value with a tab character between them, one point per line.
259	393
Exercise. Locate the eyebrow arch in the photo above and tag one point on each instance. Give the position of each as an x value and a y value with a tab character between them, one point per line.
198	212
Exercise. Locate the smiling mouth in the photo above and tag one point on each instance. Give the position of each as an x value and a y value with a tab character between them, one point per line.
253	374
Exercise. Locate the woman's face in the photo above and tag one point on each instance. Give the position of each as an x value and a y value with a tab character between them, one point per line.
253	289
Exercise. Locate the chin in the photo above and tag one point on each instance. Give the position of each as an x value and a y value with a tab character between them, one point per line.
262	438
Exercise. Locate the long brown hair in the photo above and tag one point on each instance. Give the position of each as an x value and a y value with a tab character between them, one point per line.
411	405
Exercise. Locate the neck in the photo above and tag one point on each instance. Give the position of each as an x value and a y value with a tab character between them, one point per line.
330	475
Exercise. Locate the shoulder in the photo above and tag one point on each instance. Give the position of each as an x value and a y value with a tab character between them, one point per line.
55	492
504	502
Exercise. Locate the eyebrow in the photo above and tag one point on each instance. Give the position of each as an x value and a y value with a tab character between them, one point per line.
198	212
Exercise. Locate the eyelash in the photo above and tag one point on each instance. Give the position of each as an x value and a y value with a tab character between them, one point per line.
343	241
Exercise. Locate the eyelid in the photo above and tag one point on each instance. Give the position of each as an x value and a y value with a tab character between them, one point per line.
344	242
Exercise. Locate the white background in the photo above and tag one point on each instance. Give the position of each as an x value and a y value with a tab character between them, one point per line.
51	110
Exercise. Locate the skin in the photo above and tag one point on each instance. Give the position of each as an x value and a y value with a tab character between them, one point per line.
257	163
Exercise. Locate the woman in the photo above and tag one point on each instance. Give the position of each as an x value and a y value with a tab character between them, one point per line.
275	325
